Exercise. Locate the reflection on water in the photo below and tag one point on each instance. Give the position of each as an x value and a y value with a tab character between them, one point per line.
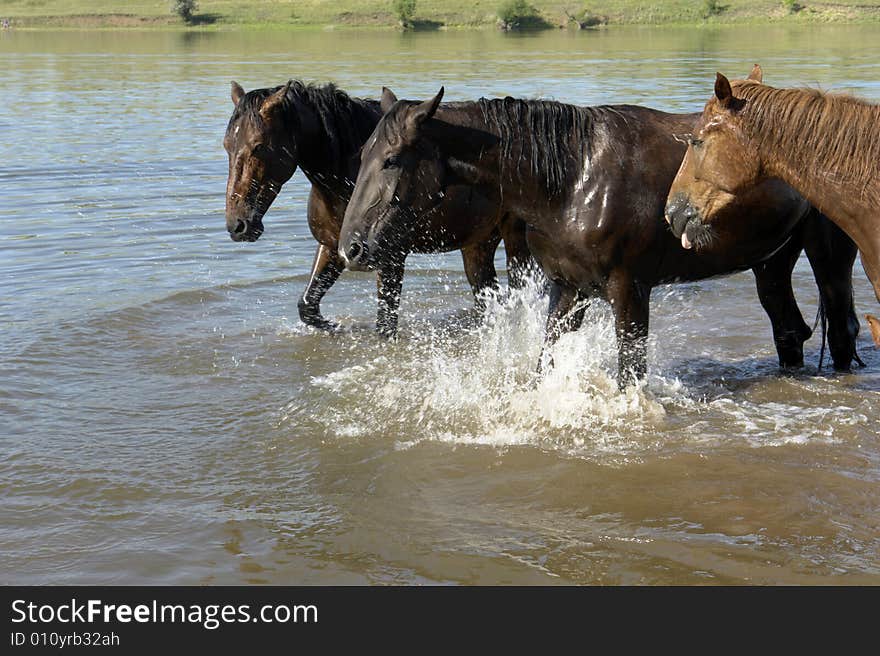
167	419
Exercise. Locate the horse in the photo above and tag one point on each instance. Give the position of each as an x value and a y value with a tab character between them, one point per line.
832	266
321	129
827	146
591	185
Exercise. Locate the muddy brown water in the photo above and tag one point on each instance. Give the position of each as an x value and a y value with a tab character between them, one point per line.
167	419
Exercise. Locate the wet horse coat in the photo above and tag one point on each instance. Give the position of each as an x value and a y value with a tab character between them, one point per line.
591	184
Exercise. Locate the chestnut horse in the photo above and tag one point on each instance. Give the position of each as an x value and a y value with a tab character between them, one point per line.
320	129
827	146
591	184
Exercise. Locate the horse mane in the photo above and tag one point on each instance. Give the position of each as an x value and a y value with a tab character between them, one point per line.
554	132
346	121
818	130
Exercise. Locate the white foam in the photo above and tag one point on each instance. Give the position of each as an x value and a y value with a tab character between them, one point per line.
479	387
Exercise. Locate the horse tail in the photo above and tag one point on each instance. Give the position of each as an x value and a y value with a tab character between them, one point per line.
856	357
822	316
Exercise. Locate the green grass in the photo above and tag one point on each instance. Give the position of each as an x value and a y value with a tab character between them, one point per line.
428	14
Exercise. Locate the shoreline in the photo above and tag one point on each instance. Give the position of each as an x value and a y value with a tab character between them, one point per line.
625	15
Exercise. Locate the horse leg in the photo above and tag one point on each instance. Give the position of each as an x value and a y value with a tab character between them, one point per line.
630	300
479	266
832	255
325	272
561	319
324	224
389	283
773	282
519	258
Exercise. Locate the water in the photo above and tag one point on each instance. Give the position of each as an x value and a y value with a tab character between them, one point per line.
167	419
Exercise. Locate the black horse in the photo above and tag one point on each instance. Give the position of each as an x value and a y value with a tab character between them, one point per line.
591	184
321	130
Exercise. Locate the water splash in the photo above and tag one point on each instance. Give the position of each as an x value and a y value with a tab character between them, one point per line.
475	383
479	385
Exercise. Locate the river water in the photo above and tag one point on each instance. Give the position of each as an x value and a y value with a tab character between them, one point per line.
165	418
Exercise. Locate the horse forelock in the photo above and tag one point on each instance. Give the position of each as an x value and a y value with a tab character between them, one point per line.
248	108
393	123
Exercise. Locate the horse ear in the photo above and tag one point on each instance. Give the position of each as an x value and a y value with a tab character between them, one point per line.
388	99
425	110
274	101
757	75
723	91
237	92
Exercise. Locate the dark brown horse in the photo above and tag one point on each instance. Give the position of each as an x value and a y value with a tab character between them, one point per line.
827	146
321	130
591	184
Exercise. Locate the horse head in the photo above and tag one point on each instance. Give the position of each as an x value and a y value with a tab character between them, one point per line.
262	144
401	180
719	165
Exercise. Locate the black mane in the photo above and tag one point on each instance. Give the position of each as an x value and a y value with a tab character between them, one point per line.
346	121
549	136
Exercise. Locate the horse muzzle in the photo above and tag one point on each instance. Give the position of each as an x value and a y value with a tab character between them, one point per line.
684	220
246	230
356	255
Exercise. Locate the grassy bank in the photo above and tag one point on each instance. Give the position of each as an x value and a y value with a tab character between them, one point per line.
429	14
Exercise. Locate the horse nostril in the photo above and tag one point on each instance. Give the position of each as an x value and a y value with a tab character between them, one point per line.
356	251
240	227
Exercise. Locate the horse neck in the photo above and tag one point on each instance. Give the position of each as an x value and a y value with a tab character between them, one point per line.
500	156
469	147
335	172
847	199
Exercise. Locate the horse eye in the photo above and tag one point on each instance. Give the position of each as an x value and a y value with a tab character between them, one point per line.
696	143
391	163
